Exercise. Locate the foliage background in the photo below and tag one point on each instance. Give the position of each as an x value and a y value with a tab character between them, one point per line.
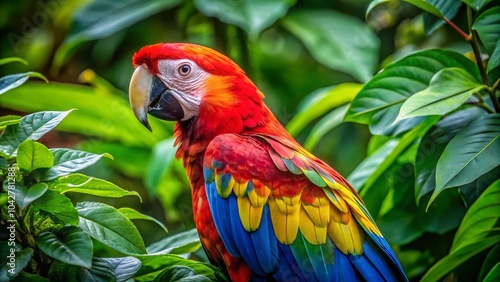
295	51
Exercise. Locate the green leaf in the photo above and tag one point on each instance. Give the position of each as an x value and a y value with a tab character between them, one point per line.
336	40
31	194
11	60
80	183
379	101
324	125
433	144
494	274
67	161
448	90
406	140
323	100
486	25
101	19
251	16
427	7
365	169
57	205
494	60
152	265
457	166
124	268
481	217
161	159
32	155
448	9
490	261
109	226
12	81
132	214
181	243
104	115
476	4
69	245
457	258
31	127
9	271
374	4
8	120
100	271
180	273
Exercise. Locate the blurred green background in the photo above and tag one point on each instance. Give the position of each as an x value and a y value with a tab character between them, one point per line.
308	57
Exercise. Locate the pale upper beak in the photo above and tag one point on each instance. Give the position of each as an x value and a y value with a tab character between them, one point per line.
148	94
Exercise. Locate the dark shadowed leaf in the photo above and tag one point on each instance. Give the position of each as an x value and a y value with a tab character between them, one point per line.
32	155
57	205
125	267
132	214
494	60
379	101
486	25
22	259
181	243
476	4
253	16
67	161
31	127
69	245
12	81
100	271
109	226
180	273
494	274
338	41
471	191
469	154
448	90
490	261
80	183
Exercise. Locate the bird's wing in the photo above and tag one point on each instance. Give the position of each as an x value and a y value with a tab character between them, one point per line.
288	214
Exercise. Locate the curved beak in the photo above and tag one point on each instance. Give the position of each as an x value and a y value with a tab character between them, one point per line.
148	94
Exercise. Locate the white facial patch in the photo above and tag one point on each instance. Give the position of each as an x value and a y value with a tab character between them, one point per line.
187	89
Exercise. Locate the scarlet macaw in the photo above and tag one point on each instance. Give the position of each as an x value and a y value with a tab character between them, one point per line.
264	207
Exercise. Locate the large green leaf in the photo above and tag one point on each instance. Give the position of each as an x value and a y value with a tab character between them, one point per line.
67	161
494	60
125	267
448	9
486	25
253	16
106	116
490	261
448	90
57	205
31	127
80	183
481	217
379	101
100	271
24	197
32	155
10	271
323	100
336	40
152	265
476	4
457	258
132	214
427	6
15	80
180	273
109	226
433	144
325	125
101	19
181	243
458	166
69	245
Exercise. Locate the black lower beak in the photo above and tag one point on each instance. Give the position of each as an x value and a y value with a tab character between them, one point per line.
162	104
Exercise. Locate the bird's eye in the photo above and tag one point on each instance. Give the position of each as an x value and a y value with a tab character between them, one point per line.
184	69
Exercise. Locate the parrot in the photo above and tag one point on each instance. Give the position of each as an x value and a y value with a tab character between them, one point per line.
265	208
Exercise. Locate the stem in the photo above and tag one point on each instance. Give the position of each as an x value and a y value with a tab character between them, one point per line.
457	29
485	107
